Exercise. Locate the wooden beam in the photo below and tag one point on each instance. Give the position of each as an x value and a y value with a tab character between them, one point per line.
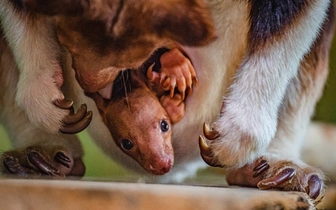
68	194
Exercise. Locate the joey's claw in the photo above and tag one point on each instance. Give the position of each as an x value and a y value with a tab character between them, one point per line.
259	169
165	82
37	161
206	153
77	127
182	95
314	187
189	90
284	176
152	76
209	133
149	73
195	80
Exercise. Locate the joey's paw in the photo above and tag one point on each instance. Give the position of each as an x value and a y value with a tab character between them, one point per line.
229	147
38	161
74	122
174	107
176	72
279	174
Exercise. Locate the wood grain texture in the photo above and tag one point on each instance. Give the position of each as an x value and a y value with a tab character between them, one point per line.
57	194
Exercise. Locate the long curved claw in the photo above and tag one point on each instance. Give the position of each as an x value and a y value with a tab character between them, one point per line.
61	158
206	153
13	166
74	123
209	133
150	73
63	104
195	80
276	180
75	118
260	168
79	126
314	187
36	160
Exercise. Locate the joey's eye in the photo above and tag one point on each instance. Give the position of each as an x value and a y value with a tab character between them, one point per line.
164	126
126	144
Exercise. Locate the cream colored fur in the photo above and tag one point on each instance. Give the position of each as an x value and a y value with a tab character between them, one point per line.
32	40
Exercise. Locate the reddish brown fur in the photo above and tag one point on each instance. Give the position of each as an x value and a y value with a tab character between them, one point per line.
135	114
137	117
110	33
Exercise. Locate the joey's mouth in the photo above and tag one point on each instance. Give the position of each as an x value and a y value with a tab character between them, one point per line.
161	166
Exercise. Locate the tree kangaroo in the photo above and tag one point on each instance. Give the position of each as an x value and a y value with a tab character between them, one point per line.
259	79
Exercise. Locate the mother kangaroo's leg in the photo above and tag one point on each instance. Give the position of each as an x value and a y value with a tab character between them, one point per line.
35	152
281	166
277	43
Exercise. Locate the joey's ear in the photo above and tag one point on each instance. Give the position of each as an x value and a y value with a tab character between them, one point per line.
55	7
186	21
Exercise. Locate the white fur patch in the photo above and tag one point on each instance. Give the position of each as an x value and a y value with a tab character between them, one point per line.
249	119
34	45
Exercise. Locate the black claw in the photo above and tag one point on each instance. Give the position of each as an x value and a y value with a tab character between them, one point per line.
75	118
62	159
74	123
261	168
284	176
260	165
79	126
36	160
314	187
12	166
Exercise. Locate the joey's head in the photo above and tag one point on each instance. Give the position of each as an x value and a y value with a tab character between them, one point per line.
139	125
104	36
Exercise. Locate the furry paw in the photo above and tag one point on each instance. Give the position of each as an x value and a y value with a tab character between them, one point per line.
279	174
37	161
229	146
176	72
44	104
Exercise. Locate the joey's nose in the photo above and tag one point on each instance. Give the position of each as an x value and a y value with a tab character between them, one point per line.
161	166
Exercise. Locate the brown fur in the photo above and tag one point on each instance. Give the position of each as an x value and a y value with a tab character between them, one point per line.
137	116
141	110
100	35
104	37
263	114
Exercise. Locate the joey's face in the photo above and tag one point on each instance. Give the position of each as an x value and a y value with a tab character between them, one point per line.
151	147
141	128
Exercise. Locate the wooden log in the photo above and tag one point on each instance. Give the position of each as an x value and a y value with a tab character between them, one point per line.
72	195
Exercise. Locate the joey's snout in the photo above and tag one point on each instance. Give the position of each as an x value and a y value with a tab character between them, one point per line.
161	165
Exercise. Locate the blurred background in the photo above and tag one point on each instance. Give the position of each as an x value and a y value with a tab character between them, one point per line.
99	166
